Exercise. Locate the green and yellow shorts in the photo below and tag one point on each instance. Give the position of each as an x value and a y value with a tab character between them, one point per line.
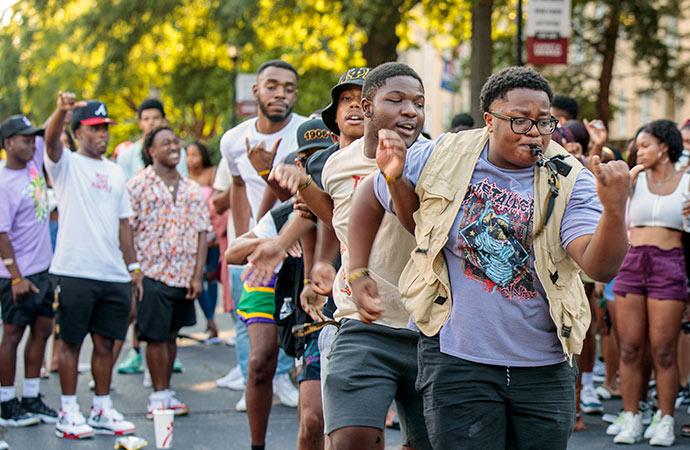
257	304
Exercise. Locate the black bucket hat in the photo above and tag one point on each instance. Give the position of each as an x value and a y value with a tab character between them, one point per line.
353	77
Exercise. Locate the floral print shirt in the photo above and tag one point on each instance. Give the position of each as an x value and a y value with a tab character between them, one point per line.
166	232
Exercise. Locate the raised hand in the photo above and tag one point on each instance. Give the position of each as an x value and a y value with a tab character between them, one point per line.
261	159
365	293
597	132
614	180
390	153
67	101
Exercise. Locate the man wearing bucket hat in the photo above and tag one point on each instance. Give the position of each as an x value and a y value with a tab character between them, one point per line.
26	288
94	260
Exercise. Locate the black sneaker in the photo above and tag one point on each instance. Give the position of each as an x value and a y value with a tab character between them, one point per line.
36	406
13	415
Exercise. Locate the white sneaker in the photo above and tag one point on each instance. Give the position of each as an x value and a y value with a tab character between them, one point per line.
110	421
153	405
616	426
599	371
3	444
664	434
631	430
649	432
147	378
589	402
285	390
233	380
241	405
72	425
231	341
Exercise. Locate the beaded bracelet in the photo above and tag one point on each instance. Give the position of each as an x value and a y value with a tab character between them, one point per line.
306	184
358	273
390	179
16	281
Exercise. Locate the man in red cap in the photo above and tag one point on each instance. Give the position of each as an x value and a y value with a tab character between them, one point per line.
94	261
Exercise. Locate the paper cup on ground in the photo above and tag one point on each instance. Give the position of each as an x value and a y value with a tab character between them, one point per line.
163	427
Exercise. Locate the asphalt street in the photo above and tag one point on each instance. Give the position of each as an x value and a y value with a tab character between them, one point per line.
213	422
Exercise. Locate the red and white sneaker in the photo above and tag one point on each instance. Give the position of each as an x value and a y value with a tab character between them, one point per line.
110	421
179	408
172	403
72	425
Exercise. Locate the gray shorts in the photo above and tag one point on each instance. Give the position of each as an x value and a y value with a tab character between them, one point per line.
325	343
370	366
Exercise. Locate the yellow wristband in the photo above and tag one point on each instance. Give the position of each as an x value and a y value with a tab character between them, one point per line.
390	179
264	173
16	281
306	184
307	281
357	273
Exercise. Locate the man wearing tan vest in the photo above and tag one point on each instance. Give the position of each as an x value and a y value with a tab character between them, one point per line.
503	224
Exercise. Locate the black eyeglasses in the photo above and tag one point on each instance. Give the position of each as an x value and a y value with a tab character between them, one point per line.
522	125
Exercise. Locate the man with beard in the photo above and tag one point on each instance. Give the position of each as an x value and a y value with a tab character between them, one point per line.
245	149
94	261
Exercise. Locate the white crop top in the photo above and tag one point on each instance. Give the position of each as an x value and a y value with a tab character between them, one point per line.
652	210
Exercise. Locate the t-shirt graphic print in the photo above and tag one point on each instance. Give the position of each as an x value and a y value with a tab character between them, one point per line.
494	236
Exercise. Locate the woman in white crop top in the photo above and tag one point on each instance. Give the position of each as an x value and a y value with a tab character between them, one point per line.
651	287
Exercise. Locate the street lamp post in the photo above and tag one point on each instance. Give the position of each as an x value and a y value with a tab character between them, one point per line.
232	53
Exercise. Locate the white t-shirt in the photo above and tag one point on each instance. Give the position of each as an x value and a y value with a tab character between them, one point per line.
92	198
341	175
234	149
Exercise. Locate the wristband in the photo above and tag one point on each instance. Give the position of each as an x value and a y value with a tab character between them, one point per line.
264	173
307	281
306	184
390	179
358	273
133	267
8	262
16	281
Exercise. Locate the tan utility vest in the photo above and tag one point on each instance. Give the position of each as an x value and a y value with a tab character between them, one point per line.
425	283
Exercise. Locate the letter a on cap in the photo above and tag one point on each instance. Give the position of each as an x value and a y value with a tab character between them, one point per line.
101	111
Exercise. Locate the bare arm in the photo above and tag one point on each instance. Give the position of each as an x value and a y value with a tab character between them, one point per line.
601	254
130	255
20	285
267	202
221	200
290	177
241	211
266	256
240	248
365	219
390	157
196	284
66	102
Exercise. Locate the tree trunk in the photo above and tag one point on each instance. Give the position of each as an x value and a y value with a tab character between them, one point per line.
382	41
481	60
608	51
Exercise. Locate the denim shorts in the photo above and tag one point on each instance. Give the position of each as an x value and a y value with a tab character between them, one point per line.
472	406
653	272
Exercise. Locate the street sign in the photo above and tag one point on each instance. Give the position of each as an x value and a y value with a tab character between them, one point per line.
548	30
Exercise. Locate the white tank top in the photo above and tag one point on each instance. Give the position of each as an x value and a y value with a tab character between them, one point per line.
652	210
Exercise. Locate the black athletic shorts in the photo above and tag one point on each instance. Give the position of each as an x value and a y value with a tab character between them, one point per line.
92	306
163	310
32	305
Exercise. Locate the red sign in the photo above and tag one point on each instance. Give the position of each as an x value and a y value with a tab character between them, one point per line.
247	109
547	51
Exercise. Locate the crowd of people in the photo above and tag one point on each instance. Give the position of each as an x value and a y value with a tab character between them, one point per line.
458	283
